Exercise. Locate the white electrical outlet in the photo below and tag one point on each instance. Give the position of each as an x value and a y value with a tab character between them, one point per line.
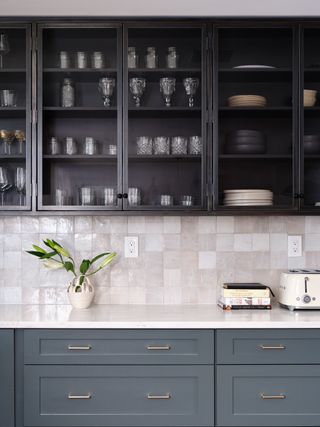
294	246
131	247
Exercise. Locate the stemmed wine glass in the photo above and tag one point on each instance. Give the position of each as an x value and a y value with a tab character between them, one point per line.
106	88
137	87
167	88
4	183
20	136
191	85
4	47
8	138
20	182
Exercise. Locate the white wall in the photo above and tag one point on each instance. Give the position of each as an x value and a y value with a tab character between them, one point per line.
139	8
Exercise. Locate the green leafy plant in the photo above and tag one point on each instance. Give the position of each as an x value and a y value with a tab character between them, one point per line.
58	257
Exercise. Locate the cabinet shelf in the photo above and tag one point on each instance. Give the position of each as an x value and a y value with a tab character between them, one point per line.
81	157
256	111
12	112
156	73
80	70
81	111
256	156
12	158
12	70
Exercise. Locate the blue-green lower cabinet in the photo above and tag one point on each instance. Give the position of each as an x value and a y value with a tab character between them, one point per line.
93	396
267	395
6	378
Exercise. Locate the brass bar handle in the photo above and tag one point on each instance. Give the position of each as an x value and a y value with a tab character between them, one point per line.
79	397
276	397
272	347
159	397
79	347
159	347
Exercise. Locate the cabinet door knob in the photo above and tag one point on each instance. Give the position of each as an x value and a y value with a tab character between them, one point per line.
79	397
125	195
119	195
269	397
159	397
272	347
79	347
159	347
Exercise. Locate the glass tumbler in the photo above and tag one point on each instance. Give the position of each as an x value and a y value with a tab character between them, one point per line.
61	197
64	59
134	196
90	146
151	58
195	145
81	60
109	196
97	60
8	98
70	146
87	196
179	145
54	146
166	200
161	145
112	150
144	145
133	58
186	200
172	58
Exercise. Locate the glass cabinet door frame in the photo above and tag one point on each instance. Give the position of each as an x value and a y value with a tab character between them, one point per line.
78	25
204	111
28	115
293	208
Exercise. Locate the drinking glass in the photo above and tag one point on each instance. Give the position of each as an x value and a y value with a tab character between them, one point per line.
195	145
87	196
186	200
20	136
64	60
106	88
144	145
8	98
166	200
109	196
112	150
97	60
167	88
54	146
8	138
4	47
161	145
70	146
81	60
20	183
5	184
134	196
133	58
61	197
137	87
191	85
179	145
90	146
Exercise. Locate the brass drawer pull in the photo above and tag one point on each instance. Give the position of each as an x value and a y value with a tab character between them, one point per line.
162	397
79	397
159	347
273	347
268	397
79	347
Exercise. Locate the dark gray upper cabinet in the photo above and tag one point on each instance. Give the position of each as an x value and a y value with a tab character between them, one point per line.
7	378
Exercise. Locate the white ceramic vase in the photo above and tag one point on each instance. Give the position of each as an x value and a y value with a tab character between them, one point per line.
80	296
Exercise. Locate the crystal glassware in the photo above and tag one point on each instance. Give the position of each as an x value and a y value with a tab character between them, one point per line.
67	93
172	57
7	137
20	136
137	87
20	183
8	98
167	88
106	88
81	61
134	196
166	200
112	150
87	196
186	200
90	146
97	60
195	144
61	197
151	58
133	58
144	145
161	145
70	146
54	146
4	47
109	196
179	145
64	60
191	85
5	184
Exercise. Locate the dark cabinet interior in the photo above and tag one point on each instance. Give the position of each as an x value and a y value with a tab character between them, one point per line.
211	117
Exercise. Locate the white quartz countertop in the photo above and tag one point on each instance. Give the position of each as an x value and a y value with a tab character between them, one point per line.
153	317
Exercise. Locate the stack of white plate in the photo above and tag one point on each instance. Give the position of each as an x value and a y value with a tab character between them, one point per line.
247	101
248	198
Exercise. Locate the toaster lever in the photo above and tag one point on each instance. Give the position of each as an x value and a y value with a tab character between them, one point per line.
306	280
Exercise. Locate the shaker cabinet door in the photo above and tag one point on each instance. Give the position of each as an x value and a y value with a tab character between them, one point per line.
7	378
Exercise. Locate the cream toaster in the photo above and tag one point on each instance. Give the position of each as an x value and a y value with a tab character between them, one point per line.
300	289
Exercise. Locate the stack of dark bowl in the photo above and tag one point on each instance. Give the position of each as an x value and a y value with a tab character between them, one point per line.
311	144
245	142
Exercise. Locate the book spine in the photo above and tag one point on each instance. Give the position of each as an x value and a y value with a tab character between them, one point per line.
245	307
252	293
245	301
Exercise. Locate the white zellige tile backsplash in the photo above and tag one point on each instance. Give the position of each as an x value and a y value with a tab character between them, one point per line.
182	260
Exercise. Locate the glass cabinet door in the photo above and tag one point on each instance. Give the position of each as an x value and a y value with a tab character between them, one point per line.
310	138
256	102
15	127
80	117
164	117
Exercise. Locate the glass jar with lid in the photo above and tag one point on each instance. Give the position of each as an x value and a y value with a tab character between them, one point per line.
133	58
151	58
67	93
172	57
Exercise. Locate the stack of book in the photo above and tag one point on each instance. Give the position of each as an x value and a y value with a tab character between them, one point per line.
239	296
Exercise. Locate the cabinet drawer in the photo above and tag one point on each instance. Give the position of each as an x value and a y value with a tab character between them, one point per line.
118	396
268	346
268	395
118	347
